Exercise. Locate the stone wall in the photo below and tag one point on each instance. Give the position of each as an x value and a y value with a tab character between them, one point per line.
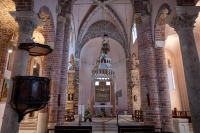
22	5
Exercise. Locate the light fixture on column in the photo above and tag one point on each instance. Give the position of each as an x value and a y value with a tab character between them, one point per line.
11	46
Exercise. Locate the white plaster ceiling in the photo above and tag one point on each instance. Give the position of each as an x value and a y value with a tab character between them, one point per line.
91	51
172	38
172	43
81	7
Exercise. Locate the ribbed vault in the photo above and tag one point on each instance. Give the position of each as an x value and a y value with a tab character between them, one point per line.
97	30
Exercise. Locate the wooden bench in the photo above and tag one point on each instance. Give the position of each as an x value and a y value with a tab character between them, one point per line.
138	116
139	129
181	114
135	129
71	129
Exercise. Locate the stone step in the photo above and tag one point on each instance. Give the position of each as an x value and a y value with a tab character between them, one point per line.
28	125
27	128
109	126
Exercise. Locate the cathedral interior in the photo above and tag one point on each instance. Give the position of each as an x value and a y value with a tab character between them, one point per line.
130	62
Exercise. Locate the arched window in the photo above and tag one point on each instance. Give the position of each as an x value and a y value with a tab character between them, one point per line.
134	33
172	73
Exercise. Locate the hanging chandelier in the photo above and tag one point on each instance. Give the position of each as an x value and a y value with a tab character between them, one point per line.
103	69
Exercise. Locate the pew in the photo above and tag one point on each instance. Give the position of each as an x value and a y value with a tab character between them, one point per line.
71	129
181	114
139	129
138	116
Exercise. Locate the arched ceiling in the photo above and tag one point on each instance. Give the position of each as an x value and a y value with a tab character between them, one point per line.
118	12
93	47
97	30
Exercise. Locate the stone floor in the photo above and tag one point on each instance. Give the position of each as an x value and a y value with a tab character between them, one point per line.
99	125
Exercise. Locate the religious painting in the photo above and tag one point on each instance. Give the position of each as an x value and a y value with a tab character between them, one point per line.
4	91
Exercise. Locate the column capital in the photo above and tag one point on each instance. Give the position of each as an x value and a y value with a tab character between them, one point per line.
61	19
137	15
145	18
182	17
159	44
77	59
68	16
27	20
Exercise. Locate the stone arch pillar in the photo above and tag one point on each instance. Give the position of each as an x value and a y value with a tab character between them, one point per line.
163	86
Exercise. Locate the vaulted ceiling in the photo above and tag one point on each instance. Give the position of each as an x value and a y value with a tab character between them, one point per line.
118	12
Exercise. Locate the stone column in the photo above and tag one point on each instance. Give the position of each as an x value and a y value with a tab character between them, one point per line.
27	21
42	120
42	114
92	100
76	85
166	113
56	72
64	71
182	19
113	98
65	61
149	89
151	74
143	71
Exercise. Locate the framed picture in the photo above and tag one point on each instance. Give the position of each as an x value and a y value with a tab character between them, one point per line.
4	91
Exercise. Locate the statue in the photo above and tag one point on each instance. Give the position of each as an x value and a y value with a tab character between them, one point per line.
134	62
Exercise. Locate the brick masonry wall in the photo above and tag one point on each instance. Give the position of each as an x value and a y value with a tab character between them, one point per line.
64	74
56	72
22	5
143	70
49	35
163	85
148	74
64	66
164	90
48	28
152	76
185	2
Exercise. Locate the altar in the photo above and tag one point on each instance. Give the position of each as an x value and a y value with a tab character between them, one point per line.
106	107
103	98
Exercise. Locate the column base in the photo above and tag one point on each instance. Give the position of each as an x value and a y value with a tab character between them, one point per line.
42	123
